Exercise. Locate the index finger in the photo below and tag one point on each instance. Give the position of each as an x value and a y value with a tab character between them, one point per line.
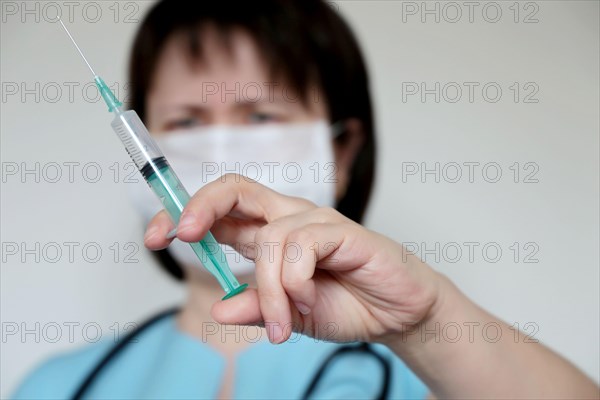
235	195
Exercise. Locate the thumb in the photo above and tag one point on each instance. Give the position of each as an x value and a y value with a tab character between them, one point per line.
244	309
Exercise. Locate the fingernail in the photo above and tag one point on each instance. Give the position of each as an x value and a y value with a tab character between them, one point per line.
276	333
188	220
150	232
172	234
303	308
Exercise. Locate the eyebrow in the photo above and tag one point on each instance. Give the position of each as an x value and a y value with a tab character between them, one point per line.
200	107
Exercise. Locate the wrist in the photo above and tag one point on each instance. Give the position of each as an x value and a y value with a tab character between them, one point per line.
417	336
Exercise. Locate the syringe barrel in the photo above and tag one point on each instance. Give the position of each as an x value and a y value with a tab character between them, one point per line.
135	137
162	179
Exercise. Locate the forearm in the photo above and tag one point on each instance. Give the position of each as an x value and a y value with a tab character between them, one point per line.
461	351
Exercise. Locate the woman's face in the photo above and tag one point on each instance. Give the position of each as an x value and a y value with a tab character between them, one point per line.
234	88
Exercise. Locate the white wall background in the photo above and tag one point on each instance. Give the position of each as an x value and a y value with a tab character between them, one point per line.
557	217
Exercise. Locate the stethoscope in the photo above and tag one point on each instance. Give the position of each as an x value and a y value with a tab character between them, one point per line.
363	348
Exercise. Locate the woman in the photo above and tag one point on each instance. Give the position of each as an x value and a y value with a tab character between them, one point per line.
270	85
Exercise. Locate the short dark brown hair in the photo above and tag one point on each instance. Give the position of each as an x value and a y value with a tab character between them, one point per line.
305	42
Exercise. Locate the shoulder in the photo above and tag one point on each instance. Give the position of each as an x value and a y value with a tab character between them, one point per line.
59	376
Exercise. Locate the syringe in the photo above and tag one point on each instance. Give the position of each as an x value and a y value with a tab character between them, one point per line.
159	175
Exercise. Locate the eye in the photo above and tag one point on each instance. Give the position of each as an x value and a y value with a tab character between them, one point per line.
262	118
184	123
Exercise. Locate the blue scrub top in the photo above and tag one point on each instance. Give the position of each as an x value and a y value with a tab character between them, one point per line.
168	363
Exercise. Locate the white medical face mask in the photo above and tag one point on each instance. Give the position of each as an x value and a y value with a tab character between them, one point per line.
292	159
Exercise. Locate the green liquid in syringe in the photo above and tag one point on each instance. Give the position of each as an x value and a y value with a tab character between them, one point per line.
174	197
